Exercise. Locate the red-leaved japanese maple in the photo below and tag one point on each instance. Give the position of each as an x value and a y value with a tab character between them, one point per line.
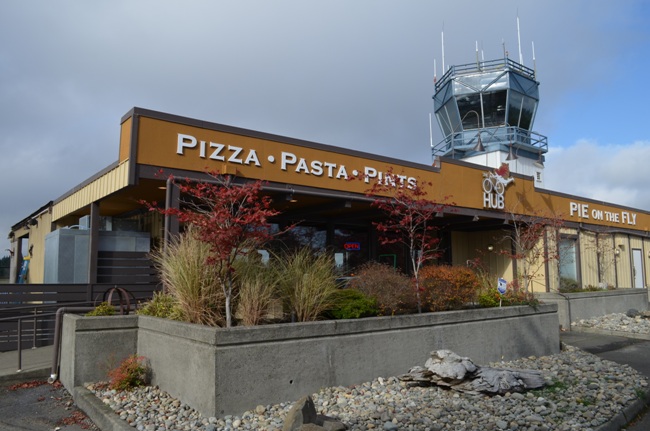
232	218
409	219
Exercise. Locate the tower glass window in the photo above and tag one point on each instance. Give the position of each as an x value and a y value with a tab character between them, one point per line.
494	107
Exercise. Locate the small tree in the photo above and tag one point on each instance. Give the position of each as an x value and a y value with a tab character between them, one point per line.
231	218
530	237
410	220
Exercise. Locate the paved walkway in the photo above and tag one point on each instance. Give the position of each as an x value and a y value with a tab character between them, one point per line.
35	405
35	362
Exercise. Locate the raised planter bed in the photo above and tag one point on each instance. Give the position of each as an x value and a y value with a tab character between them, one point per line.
228	371
585	305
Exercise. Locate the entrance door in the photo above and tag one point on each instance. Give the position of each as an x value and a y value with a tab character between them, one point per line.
637	268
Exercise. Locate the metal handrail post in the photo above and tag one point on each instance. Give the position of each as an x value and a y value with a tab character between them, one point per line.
34	335
20	350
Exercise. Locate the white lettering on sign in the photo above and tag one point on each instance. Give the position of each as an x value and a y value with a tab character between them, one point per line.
389	179
190	145
221	152
494	187
582	211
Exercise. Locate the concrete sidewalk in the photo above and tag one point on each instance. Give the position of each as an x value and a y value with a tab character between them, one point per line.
32	404
36	363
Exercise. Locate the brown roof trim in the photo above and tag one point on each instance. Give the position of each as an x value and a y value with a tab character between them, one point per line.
135	112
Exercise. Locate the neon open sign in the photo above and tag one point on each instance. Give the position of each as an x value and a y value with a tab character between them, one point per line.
350	246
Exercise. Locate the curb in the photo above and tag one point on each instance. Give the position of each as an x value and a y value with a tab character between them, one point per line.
590	330
102	415
627	415
24	376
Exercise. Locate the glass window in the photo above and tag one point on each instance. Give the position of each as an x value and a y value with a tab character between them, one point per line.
494	108
350	248
302	236
568	264
469	107
527	113
514	108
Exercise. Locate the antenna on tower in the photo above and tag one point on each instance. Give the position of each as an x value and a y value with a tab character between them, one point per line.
442	38
435	72
505	53
478	64
521	59
430	132
534	63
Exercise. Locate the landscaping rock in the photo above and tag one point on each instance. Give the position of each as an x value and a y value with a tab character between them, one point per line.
445	368
303	417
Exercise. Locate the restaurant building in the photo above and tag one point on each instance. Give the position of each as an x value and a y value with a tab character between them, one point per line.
100	232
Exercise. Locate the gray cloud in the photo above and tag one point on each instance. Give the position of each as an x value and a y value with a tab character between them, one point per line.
351	74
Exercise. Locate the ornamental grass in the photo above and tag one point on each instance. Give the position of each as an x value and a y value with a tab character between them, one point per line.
195	285
258	289
307	282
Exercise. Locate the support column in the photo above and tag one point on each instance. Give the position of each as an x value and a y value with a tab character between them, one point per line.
93	248
172	200
16	260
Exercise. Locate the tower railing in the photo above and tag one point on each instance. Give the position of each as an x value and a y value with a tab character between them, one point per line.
504	137
485	66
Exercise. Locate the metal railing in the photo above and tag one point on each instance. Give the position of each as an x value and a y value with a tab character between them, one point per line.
28	312
504	136
485	66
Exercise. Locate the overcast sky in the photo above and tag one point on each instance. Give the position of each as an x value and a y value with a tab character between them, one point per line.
355	74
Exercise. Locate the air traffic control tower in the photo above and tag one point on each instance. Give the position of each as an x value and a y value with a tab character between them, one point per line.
486	112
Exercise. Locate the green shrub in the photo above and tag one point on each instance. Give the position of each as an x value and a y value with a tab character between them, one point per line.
568	285
194	284
161	305
352	304
307	283
103	309
392	290
131	373
515	295
448	287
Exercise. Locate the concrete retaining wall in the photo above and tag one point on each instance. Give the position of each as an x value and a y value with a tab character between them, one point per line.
585	305
92	346
228	371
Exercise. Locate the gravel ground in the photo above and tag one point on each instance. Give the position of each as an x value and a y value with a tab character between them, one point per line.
582	393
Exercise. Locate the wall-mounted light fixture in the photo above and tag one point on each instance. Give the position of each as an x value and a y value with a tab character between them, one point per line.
490	247
617	251
291	198
348	204
511	155
475	218
33	222
440	214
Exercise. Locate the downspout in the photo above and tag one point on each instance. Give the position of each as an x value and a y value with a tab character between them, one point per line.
58	322
54	374
568	306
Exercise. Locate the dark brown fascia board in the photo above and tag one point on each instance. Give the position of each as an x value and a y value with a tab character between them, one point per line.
26	220
153	172
270	137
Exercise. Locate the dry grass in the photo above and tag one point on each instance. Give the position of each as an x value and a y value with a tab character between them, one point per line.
195	285
307	282
258	286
